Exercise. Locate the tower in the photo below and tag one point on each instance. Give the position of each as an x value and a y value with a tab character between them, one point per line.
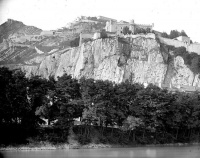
132	27
132	21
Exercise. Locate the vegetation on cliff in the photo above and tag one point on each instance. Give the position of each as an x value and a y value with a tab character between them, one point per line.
122	113
173	34
192	60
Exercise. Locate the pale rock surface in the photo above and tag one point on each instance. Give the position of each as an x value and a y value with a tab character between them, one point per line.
182	74
136	59
38	51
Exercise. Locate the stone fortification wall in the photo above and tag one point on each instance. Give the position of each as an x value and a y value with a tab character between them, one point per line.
194	48
190	48
143	26
172	42
85	36
149	35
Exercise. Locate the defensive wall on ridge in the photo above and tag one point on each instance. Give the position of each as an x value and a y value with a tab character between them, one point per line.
194	48
85	36
149	35
189	47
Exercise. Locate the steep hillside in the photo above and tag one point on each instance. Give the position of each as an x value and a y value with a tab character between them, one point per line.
11	27
140	58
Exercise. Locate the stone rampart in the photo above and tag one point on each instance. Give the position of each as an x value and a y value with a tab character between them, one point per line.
172	42
85	36
194	48
149	35
190	48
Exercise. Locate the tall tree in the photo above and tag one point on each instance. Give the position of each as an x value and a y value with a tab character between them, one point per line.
48	109
173	34
124	96
126	30
183	33
37	91
88	92
165	35
13	96
68	100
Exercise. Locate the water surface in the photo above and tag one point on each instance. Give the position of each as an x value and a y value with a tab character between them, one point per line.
136	152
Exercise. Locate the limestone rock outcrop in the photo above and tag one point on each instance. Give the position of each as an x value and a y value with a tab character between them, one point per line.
139	60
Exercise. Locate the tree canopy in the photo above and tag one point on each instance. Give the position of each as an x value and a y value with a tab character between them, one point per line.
123	113
174	34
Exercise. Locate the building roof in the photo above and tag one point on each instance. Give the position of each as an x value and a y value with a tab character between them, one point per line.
179	37
123	22
103	17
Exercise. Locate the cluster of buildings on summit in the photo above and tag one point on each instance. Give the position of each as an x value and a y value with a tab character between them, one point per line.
87	27
114	26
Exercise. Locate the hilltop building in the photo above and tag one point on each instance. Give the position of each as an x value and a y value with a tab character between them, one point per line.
106	18
114	26
47	33
184	39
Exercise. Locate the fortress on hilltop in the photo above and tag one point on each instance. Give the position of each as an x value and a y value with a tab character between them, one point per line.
114	26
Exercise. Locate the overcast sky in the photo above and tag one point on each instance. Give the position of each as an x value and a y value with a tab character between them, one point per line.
52	14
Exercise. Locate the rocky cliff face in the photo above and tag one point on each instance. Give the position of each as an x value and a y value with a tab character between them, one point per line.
182	75
136	59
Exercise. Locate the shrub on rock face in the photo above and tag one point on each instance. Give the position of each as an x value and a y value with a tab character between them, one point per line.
75	42
126	30
190	59
103	34
180	51
142	30
165	35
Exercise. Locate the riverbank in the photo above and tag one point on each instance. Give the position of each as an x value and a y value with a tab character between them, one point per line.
88	146
55	147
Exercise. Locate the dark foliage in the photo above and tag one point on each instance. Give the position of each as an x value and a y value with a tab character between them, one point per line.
75	42
122	113
142	30
165	35
192	60
173	34
103	34
126	30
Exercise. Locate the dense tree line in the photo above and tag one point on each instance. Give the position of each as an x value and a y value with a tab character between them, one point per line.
142	30
126	30
173	34
122	113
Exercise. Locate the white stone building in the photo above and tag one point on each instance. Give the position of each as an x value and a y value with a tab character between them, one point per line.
47	33
184	39
113	26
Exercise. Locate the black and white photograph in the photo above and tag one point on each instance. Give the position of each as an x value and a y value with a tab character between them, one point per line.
99	78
